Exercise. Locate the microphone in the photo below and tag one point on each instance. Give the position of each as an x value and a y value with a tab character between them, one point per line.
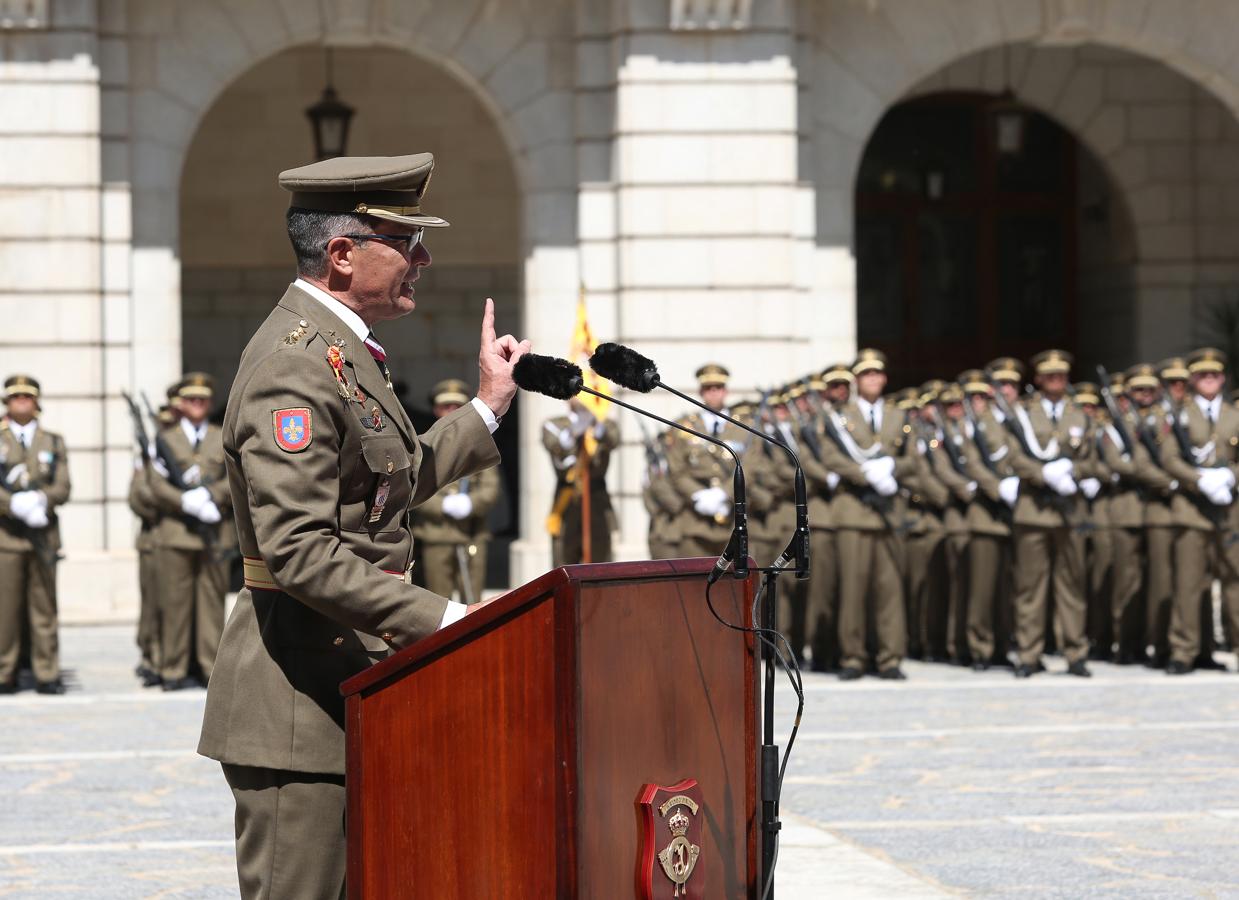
629	369
563	380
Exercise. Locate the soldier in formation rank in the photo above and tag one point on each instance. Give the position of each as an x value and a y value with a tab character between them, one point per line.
450	533
34	483
580	449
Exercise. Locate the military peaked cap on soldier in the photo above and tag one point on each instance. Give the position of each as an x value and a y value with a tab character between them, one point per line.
1142	375
973	382
1206	359
450	390
1087	392
713	375
1173	369
796	391
838	372
930	390
742	410
174	390
951	393
1118	384
1006	368
1052	362
817	383
197	384
869	360
908	398
20	385
386	187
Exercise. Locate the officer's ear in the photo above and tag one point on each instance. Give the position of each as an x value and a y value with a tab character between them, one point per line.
341	256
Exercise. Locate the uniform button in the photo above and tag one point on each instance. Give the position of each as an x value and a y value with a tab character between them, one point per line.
391	467
387	636
338	641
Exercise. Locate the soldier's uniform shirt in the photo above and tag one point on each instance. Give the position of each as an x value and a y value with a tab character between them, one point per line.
1159	528
1049	547
1205	545
563	445
191	574
870	584
35	460
437	535
306	510
955	524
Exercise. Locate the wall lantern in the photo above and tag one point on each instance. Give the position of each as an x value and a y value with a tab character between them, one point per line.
329	118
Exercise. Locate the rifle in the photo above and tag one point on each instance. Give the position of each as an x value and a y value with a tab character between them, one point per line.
654	458
139	430
1217	515
1112	407
805	428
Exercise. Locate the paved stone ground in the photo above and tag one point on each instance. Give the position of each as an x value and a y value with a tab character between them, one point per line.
949	784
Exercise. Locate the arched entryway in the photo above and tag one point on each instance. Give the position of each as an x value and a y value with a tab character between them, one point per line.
981	227
235	257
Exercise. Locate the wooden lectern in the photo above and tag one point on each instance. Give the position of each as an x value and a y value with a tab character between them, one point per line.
505	755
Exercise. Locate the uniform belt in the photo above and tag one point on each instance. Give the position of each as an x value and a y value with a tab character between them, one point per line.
258	576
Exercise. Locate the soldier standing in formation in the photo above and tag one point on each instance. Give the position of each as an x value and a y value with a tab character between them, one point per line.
450	533
34	482
580	448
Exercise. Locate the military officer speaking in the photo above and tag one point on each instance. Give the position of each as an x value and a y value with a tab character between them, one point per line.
449	530
324	466
34	482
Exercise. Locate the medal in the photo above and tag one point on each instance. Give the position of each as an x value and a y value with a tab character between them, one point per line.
335	359
376	418
380	500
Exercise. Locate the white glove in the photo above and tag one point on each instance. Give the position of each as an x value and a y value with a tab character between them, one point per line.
1056	470
209	513
887	486
876	470
192	475
1090	487
15	473
457	506
710	501
832	481
1220	496
1009	490
37	518
192	501
1065	486
1213	480
23	503
971	489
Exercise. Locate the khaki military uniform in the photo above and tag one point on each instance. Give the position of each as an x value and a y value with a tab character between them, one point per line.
664	507
962	488
1205	546
925	572
28	555
437	536
822	613
321	500
1153	433
1049	543
990	610
142	504
191	573
696	464
564	450
867	534
1100	545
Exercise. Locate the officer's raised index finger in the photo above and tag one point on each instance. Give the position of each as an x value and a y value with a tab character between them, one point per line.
488	323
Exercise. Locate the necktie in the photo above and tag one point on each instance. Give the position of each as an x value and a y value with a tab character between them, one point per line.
718	427
1054	413
873	419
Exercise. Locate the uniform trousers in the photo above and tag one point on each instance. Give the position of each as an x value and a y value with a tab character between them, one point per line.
693	545
566	547
925	569
823	604
1099	550
148	610
1158	588
28	592
289	832
870	589
989	618
1199	556
1044	556
191	587
955	555
440	568
1127	625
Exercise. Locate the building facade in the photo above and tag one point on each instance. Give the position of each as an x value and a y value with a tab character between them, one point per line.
764	183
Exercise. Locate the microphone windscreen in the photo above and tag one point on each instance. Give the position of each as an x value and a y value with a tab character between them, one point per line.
548	375
625	366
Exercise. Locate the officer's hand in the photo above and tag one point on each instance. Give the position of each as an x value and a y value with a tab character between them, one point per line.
496	358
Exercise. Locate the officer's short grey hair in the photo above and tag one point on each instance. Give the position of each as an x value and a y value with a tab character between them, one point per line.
309	231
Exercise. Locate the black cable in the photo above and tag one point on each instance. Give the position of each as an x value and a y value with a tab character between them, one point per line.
792	668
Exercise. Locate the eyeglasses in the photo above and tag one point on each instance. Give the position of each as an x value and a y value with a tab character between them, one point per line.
405	243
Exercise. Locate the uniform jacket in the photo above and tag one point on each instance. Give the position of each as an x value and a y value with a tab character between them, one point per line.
960	484
1212	445
696	464
1072	436
47	470
988	513
1134	477
855	504
1152	432
142	505
564	458
432	526
313	510
203	467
